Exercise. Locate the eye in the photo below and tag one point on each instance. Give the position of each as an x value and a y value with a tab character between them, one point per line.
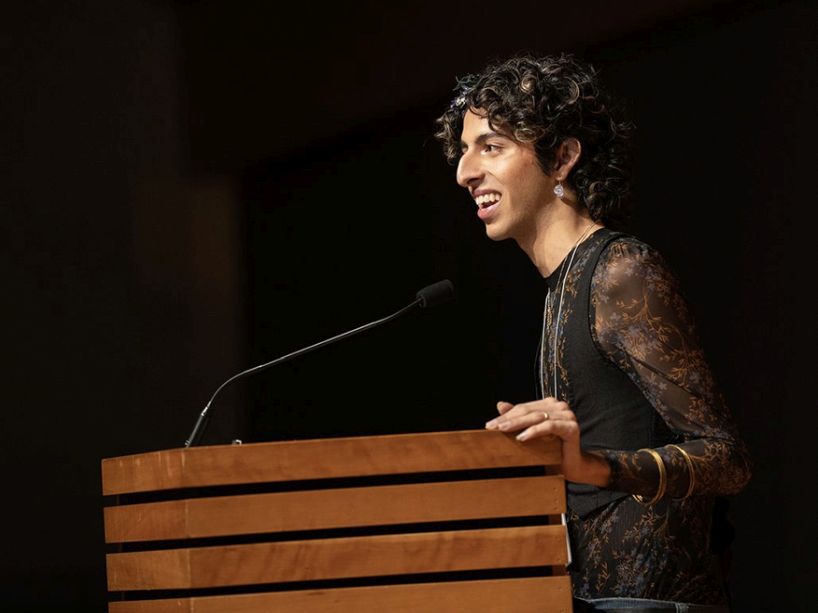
491	148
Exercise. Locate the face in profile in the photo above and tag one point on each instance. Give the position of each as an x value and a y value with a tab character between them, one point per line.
503	177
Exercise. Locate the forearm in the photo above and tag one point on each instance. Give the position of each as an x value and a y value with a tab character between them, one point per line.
639	472
697	467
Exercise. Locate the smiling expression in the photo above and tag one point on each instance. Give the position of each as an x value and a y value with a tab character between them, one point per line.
504	178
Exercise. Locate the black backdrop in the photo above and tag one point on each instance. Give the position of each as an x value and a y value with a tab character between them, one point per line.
130	294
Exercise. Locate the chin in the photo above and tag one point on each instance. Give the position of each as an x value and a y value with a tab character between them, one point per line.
496	233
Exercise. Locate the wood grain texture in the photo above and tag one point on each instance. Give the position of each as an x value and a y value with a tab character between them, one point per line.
322	458
530	595
337	558
335	508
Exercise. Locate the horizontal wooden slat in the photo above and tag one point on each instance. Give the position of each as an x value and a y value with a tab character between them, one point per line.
322	458
335	508
529	595
364	556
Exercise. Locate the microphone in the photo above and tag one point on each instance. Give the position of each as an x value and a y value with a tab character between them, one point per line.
430	296
435	294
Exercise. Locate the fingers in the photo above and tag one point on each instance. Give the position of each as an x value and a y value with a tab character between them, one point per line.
517	417
513	423
504	407
565	429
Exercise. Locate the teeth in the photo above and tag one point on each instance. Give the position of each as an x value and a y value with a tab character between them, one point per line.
484	200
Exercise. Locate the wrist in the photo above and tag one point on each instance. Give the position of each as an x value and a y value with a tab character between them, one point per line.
598	469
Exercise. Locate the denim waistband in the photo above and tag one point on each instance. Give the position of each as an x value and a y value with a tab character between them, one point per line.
644	605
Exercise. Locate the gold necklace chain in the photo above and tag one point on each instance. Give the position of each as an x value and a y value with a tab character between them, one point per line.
549	308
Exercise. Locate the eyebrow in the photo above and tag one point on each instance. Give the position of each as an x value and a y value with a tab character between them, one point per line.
482	138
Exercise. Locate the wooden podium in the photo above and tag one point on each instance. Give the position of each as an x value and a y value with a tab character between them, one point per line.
439	522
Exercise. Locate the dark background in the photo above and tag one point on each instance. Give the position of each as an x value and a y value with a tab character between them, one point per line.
190	188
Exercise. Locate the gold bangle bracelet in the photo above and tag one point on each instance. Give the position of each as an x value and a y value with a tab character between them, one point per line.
689	462
662	480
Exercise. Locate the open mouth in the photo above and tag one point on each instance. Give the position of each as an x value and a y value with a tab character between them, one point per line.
486	203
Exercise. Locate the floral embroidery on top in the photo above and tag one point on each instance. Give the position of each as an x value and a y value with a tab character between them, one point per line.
641	323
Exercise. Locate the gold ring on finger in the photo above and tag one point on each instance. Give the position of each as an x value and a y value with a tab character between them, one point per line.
544	416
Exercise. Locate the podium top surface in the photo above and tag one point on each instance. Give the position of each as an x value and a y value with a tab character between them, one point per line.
322	459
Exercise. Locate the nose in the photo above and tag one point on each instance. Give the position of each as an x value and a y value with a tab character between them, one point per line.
469	171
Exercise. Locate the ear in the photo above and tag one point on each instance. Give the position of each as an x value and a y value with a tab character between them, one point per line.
565	157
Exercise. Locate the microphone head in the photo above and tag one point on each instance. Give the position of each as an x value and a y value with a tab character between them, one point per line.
435	294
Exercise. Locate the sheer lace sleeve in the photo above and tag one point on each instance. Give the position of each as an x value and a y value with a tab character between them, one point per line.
641	322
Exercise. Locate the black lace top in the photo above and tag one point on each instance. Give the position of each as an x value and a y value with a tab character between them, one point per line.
639	381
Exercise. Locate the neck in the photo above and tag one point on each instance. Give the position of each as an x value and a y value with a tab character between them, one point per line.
556	233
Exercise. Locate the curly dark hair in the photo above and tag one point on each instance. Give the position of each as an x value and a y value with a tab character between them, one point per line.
544	101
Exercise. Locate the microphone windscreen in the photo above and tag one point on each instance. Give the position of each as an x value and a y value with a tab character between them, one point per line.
435	294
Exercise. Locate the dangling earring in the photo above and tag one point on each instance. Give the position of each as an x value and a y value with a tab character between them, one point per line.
559	190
